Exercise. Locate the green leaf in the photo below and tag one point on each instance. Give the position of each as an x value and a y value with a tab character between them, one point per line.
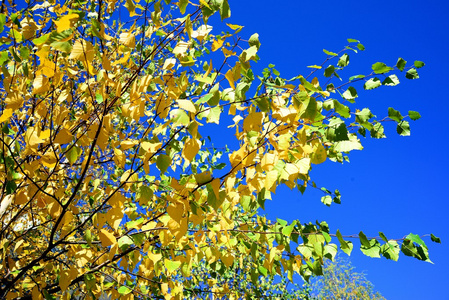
179	117
419	64
372	84
2	22
73	154
124	290
341	109
415	239
343	61
329	71
435	239
364	240
383	237
401	64
412	74
353	41
381	68
99	98
363	116
360	47
372	250
403	128
327	200
390	250
214	115
391	80
172	265
414	115
225	11
254	41
163	162
330	53
124	242
356	77
394	114
10	187
350	93
346	146
377	131
3	57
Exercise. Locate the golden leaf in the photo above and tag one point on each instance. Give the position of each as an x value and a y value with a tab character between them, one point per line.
128	39
66	22
107	239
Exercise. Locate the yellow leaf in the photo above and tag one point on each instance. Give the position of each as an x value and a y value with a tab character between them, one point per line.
181	48
271	178
269	160
107	239
64	136
227	52
253	122
169	63
126	144
230	77
201	32
234	27
203	177
40	84
128	39
216	187
83	51
191	148
66	277
155	257
216	44
66	22
187	105
319	155
7	113
176	212
119	157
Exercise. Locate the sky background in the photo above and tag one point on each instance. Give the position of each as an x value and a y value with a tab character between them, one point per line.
396	185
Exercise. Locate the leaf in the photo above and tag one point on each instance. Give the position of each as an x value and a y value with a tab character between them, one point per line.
380	68
372	84
66	22
350	93
435	239
172	265
394	114
125	242
391	80
254	41
225	11
372	249
343	61
414	115
107	239
124	290
7	113
401	64
412	74
73	154
419	64
163	162
330	53
403	128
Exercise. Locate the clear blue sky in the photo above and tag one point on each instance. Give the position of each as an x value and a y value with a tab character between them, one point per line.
397	185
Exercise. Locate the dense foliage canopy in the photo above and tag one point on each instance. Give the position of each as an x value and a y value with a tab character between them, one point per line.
109	185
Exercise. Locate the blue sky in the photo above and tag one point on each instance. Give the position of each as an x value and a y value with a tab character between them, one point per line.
396	185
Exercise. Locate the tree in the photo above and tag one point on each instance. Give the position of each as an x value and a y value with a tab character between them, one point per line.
110	189
341	281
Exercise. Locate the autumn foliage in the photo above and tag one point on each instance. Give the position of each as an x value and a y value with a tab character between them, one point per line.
108	184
